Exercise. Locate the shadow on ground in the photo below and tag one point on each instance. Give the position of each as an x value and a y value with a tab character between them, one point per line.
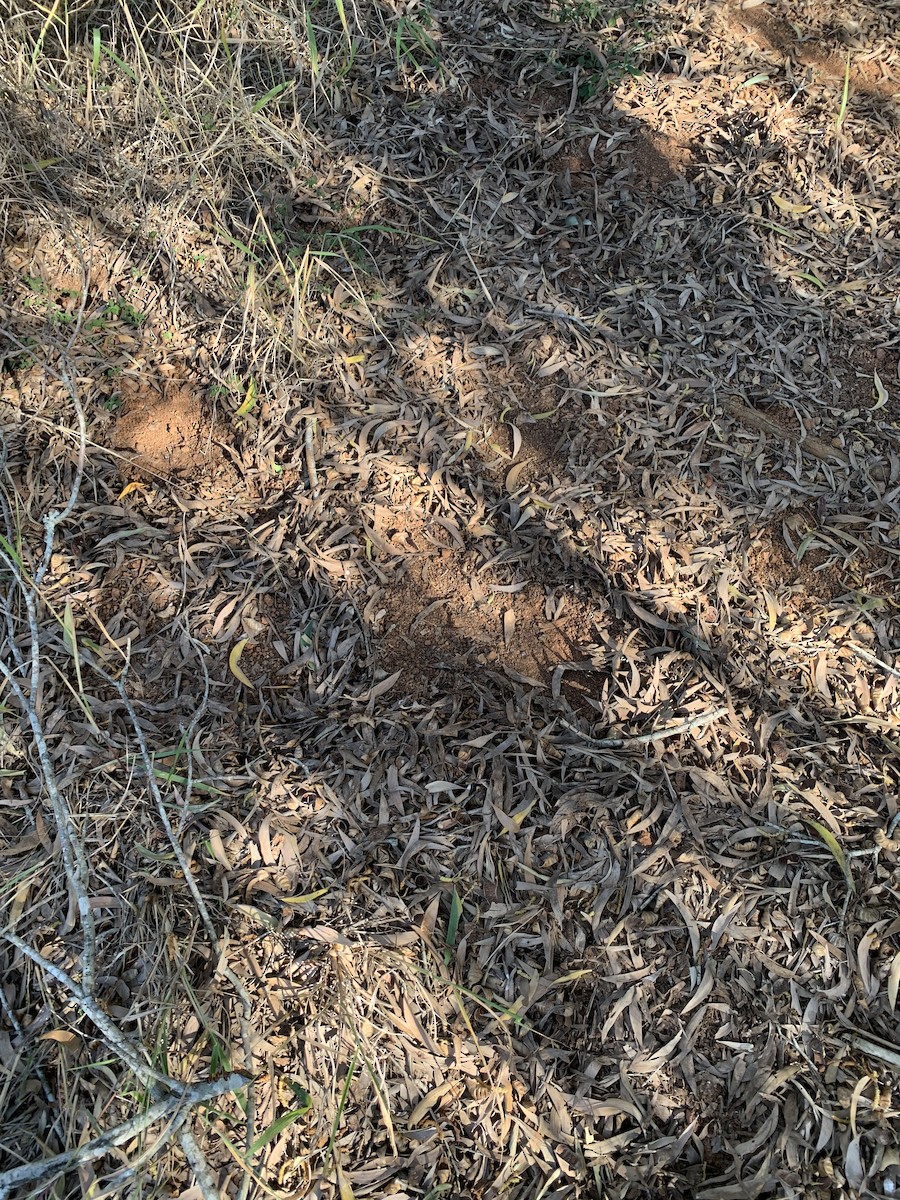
448	448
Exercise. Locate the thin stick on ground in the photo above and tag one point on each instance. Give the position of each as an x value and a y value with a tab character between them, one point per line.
173	1108
74	861
196	895
110	1032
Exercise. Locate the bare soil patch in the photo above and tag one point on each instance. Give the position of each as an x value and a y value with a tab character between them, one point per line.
655	159
450	623
658	159
856	367
774	32
165	428
774	566
448	630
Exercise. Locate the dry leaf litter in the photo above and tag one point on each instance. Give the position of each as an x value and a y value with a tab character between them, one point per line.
492	486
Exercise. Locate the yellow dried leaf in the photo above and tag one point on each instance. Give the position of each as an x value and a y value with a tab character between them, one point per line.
772	609
234	659
509	627
788	206
513	476
307	898
572	977
345	1188
137	486
65	1038
519	816
835	848
20	900
248	402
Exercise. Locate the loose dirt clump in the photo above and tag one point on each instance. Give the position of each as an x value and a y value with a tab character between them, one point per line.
855	367
540	428
546	426
549	101
134	597
543	447
783	417
446	627
658	159
166	430
773	566
267	657
573	166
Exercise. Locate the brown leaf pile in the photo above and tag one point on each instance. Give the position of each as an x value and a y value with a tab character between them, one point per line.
520	382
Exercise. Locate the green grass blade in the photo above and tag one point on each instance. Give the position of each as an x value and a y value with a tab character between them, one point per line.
279	1125
123	66
38	45
271	94
845	95
313	47
455	914
10	552
339	6
342	1103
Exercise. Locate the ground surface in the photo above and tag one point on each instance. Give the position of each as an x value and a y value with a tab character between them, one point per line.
467	388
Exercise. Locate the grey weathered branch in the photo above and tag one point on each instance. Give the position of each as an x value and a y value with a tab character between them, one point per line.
174	1107
202	909
24	679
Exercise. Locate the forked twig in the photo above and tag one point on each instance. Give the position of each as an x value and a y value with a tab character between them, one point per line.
175	1107
181	857
24	680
